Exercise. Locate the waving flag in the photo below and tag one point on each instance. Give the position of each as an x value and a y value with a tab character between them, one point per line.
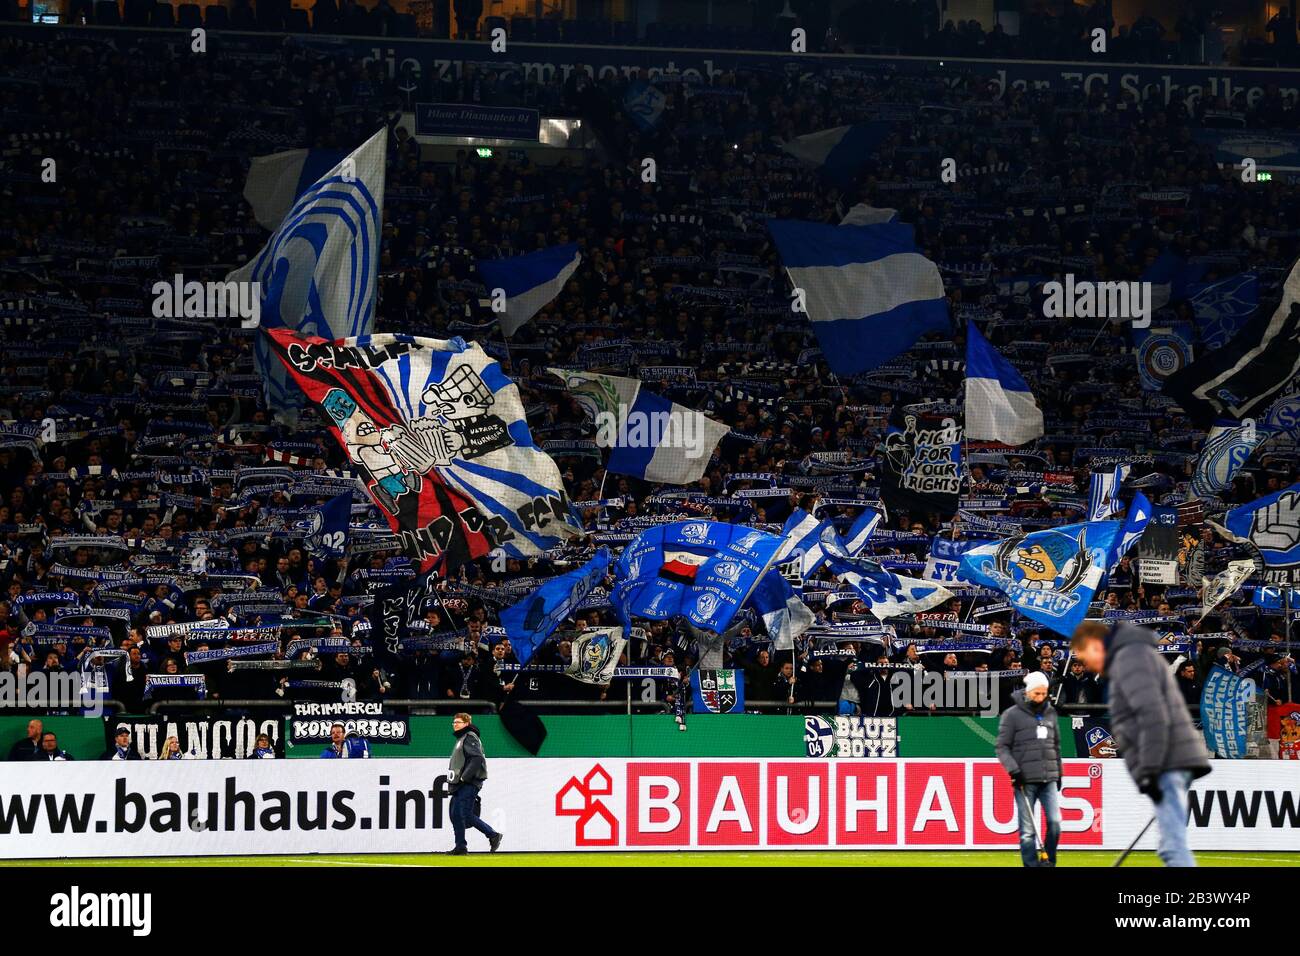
864	215
1170	276
318	271
1049	576
439	432
528	282
327	535
1103	492
645	104
888	594
1139	516
704	570
868	292
1227	448
530	622
841	151
1217	589
1241	379
648	436
594	655
855	542
783	612
803	540
999	405
1222	308
1161	352
1272	525
275	182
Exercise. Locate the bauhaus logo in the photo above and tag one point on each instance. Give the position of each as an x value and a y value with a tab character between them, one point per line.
814	803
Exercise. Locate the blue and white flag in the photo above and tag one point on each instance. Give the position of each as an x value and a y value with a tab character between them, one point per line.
1049	576
803	540
783	612
999	405
841	151
1223	307
703	570
523	285
855	541
645	104
1170	276
1226	450
327	536
318	273
864	215
530	622
276	181
1225	716
1103	492
888	594
869	293
1139	516
1272	525
648	436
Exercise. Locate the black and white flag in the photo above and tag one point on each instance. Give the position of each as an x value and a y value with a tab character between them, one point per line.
1240	379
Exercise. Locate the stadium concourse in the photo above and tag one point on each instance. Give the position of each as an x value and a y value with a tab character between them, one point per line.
177	540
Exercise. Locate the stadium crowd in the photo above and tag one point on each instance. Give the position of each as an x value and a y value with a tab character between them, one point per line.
161	496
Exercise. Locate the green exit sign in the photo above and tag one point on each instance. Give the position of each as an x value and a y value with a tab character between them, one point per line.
1263	177
484	152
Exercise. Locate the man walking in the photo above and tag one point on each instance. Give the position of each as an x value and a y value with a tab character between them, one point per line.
466	775
1150	723
1029	748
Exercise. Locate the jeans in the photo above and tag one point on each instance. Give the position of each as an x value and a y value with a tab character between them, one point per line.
1047	796
462	814
1171	818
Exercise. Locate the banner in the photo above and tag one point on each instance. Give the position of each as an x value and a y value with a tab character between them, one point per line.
477	120
718	691
921	462
200	738
595	655
1225	717
382	805
312	723
851	736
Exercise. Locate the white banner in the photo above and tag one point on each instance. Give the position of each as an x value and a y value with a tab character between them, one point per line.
195	808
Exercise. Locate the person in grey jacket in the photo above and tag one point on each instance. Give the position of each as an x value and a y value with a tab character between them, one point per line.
1150	723
465	776
1029	749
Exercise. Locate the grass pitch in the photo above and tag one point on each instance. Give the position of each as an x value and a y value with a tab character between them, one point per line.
812	858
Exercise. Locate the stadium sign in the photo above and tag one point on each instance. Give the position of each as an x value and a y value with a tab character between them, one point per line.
201	807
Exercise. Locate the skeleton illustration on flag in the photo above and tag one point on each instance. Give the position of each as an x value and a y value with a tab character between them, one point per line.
439	432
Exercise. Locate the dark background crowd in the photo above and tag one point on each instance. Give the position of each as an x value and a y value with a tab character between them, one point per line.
159	422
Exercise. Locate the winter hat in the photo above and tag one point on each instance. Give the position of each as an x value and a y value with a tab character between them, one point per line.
1036	679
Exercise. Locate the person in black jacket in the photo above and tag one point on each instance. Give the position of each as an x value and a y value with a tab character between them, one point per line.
1152	728
50	749
1029	749
466	775
29	746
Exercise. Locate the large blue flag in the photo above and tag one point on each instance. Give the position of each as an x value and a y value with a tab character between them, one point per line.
999	405
703	570
530	622
1272	525
888	594
1223	307
841	151
528	282
1049	576
868	291
328	535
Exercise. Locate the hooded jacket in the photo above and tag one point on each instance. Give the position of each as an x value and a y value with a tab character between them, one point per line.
1020	749
468	765
1148	716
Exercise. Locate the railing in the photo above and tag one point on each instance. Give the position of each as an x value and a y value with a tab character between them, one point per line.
420	706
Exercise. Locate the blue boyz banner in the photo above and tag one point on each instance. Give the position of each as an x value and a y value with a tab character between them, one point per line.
1224	715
